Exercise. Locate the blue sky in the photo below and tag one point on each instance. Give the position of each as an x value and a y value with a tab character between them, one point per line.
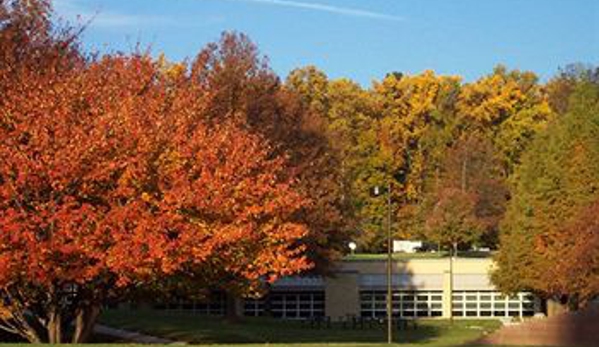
359	39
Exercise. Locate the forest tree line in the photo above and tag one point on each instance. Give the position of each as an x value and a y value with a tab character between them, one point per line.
504	162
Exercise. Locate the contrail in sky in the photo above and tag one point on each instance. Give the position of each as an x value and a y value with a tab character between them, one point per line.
346	11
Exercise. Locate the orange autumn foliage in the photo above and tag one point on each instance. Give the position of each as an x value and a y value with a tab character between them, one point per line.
112	175
105	171
575	271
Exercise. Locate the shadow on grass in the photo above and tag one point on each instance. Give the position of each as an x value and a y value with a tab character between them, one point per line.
206	330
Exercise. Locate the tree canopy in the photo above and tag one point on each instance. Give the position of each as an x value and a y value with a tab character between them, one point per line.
553	193
121	172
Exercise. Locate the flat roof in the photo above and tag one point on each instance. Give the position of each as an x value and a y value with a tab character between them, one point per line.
419	255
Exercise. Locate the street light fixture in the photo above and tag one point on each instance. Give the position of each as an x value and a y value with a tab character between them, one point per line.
352	247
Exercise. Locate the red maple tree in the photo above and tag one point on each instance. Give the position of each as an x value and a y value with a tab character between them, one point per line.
111	177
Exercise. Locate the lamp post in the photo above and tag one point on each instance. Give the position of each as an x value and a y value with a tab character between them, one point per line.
352	247
377	191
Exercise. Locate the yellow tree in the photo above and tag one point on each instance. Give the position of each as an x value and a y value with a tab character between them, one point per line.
312	86
346	113
352	130
416	124
510	107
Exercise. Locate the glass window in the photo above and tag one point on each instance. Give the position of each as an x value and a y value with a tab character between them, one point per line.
405	304
288	305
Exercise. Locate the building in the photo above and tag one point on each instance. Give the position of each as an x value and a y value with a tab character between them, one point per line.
421	288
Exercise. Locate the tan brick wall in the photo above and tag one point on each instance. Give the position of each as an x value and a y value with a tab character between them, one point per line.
342	291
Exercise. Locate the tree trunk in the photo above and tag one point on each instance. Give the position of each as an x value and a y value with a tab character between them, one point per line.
14	317
54	327
85	321
232	307
32	336
16	323
267	305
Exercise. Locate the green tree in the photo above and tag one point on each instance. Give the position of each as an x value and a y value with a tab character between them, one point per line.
558	177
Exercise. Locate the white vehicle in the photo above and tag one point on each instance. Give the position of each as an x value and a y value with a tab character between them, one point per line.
406	246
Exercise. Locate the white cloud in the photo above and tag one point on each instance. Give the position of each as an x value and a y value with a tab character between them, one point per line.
99	17
76	11
346	11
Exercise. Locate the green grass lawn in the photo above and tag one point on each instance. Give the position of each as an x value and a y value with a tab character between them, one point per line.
255	332
212	330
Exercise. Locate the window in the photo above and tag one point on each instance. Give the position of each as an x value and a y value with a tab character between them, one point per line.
253	307
405	303
213	305
492	304
291	305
